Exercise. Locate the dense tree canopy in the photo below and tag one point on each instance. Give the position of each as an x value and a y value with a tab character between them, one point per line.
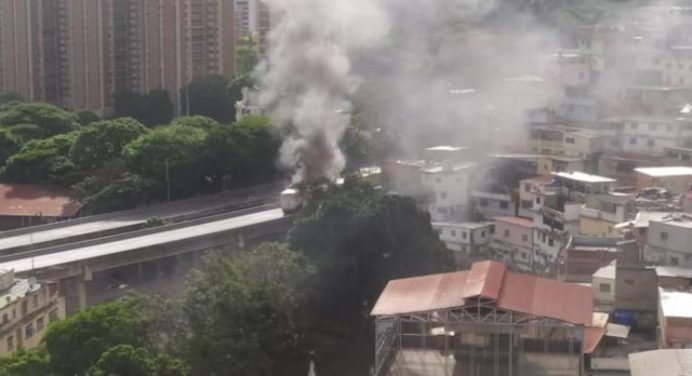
207	96
43	162
47	120
151	109
246	316
126	360
103	141
173	152
31	362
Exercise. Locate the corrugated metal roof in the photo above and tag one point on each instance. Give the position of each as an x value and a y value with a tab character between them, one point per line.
617	331
514	291
673	271
675	303
485	280
665	171
24	199
592	337
672	362
518	221
420	294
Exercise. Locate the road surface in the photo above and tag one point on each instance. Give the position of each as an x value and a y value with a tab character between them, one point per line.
125	245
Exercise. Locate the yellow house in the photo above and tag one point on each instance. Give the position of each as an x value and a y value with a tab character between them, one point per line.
26	309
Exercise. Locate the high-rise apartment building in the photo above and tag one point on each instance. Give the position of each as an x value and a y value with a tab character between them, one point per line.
78	53
253	17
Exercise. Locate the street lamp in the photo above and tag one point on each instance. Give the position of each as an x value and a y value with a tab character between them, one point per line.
31	235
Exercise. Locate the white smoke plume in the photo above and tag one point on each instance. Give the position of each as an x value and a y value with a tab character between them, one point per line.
307	78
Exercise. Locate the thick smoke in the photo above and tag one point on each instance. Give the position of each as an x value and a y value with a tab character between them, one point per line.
308	77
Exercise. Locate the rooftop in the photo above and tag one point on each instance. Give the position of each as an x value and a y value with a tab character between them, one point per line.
665	171
674	362
517	221
446	169
19	289
642	219
447	148
675	303
673	271
23	200
468	225
606	272
509	290
583	177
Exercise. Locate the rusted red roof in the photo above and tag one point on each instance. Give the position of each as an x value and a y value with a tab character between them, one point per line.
24	199
518	221
592	337
512	291
485	280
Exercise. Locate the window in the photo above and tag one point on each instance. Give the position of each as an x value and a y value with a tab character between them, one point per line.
664	235
527	187
5	319
524	238
633	140
53	315
538	200
10	343
551	242
569	140
642	231
650	142
483	202
25	309
29	330
526	204
523	256
454	233
40	324
463	235
504	205
34	301
674	261
604	287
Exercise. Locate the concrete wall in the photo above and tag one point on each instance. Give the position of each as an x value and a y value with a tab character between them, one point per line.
603	291
596	227
675	184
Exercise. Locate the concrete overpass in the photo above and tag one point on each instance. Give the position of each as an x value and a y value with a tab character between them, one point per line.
92	227
136	256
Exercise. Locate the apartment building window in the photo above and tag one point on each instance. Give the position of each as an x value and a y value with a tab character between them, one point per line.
53	315
664	235
10	343
569	140
526	204
25	308
454	233
40	324
34	301
506	233
604	287
633	140
651	142
523	256
504	205
463	235
551	242
524	238
674	261
29	330
527	187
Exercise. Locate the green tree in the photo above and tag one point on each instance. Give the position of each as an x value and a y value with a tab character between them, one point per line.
43	162
32	362
103	141
151	109
176	151
48	119
6	97
198	121
109	191
76	343
244	153
126	360
86	117
246	316
8	145
359	238
208	97
247	56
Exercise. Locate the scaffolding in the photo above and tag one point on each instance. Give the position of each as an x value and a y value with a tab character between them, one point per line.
477	339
